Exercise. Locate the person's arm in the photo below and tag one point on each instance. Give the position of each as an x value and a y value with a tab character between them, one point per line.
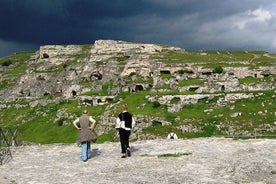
75	124
133	122
93	123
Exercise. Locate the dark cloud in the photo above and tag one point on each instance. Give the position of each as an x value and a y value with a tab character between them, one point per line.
190	24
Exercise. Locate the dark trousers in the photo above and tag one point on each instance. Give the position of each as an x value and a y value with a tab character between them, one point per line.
124	139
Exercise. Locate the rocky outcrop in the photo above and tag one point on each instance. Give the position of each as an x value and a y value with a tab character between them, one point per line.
60	70
109	47
57	73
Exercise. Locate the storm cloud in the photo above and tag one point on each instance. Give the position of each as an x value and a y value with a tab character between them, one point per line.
189	24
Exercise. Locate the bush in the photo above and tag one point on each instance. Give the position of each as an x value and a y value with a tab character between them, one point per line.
60	122
156	104
218	69
7	63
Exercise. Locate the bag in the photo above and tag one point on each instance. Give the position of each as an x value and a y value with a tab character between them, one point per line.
94	136
120	124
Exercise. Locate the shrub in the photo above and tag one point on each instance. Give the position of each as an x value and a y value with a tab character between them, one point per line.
156	104
60	122
7	63
218	69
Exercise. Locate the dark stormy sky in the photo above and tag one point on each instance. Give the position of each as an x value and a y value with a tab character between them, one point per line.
190	24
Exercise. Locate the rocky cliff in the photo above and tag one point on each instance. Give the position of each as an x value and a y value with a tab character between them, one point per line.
58	72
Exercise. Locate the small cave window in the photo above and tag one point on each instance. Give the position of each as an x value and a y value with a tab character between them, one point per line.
88	101
194	88
21	92
139	87
109	99
165	72
74	93
175	100
207	73
45	55
58	93
265	74
46	94
222	88
96	75
156	123
190	72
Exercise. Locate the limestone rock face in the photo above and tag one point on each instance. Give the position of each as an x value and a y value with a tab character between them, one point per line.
94	74
58	51
112	46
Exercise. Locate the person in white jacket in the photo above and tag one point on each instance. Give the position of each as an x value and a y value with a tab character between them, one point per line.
172	135
125	130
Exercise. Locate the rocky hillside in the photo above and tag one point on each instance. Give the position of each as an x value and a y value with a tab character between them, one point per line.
228	92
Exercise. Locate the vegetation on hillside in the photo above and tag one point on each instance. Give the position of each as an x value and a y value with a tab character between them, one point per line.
41	124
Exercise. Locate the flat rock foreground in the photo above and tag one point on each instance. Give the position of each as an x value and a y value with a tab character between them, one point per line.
202	160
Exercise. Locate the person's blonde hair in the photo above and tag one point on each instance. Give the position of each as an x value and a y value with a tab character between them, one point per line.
124	107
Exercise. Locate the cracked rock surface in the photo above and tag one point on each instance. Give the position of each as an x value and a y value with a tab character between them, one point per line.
201	160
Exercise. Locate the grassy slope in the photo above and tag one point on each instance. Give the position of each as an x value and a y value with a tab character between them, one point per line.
41	124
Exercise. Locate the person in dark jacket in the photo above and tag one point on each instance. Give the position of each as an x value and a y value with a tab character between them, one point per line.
125	130
86	124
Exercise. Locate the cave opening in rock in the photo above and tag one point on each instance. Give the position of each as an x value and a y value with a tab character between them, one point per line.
74	93
139	87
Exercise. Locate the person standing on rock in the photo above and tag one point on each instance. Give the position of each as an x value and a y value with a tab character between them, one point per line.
86	124
127	122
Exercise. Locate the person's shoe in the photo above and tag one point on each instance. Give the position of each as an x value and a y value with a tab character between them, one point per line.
123	156
128	152
85	160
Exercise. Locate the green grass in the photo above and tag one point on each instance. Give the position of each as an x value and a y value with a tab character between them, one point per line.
14	66
168	155
103	92
166	76
4	84
38	125
189	82
17	57
109	136
203	57
42	132
252	80
210	59
174	155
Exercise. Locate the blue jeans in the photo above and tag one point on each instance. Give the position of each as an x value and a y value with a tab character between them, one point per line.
86	152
